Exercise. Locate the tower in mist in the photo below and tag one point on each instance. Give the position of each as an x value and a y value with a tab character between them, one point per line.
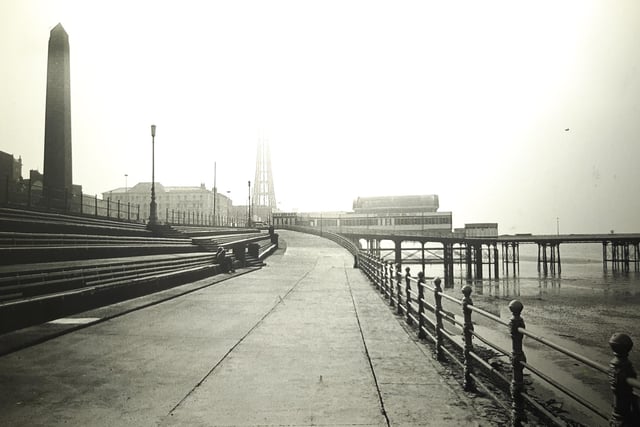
264	196
57	180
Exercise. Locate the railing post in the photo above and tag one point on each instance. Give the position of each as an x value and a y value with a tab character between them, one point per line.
469	384
421	333
375	270
108	207
96	205
118	208
625	405
385	278
407	295
438	315
518	415
393	273
399	291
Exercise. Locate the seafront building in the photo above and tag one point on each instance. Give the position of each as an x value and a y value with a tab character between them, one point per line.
179	204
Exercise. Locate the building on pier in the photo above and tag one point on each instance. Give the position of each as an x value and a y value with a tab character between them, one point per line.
386	205
398	214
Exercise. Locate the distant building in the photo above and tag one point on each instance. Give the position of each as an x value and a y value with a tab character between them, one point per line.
177	204
481	229
396	204
10	167
10	175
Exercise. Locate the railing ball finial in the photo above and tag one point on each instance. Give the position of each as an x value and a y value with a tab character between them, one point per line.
466	291
517	388
516	307
467	302
625	407
621	344
437	282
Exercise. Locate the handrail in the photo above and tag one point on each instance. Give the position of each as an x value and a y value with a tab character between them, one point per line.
411	303
566	352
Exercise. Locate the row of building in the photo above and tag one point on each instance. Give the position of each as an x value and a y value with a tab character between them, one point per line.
186	204
182	204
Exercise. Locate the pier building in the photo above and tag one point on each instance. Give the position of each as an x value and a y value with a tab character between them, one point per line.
403	214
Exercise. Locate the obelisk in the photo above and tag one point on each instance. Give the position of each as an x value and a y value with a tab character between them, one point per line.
58	182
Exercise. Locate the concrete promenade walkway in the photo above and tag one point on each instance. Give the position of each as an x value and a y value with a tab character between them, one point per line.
303	341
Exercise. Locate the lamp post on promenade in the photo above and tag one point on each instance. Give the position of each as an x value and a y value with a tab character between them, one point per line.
215	194
153	214
230	211
249	206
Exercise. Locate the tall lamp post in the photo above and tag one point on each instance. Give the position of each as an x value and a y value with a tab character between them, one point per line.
249	206
153	209
215	194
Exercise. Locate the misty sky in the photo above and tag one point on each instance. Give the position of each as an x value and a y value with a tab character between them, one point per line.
465	99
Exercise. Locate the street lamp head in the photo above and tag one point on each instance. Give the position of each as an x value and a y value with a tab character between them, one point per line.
153	130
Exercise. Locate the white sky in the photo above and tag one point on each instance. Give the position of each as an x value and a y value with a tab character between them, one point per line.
465	99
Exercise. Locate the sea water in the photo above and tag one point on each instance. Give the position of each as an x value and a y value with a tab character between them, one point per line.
579	309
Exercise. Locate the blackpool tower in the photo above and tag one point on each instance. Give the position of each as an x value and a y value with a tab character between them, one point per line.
57	128
264	196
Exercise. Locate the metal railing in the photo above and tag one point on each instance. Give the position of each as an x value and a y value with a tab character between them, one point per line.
408	296
67	202
337	238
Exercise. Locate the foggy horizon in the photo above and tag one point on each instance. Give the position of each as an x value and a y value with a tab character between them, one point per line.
522	115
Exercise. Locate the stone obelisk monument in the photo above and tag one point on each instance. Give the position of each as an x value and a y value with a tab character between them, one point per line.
57	178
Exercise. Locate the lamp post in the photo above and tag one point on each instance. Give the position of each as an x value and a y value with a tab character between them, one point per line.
153	214
230	211
215	194
249	206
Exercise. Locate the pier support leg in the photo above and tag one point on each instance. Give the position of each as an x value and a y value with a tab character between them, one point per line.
398	251
468	257
495	257
478	261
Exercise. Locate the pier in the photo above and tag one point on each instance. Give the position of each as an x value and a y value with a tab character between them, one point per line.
480	257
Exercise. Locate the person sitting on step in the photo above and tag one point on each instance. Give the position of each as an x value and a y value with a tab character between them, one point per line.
226	263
